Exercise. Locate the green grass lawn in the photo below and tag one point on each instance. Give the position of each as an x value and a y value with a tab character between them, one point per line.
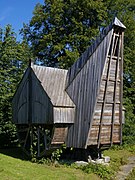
13	165
13	168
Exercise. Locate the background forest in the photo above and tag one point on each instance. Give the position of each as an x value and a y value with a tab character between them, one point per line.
58	33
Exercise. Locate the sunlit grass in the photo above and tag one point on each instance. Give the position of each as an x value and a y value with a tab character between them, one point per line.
12	168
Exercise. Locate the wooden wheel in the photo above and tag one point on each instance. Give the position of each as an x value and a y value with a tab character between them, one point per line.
35	139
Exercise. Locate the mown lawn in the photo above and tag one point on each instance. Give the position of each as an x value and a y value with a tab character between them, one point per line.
13	165
13	168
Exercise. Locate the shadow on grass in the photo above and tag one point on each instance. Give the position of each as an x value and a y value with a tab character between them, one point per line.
15	152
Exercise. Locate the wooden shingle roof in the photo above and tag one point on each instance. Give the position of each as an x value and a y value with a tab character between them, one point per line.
53	81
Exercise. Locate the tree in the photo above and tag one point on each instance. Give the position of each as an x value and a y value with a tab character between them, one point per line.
60	30
13	59
125	11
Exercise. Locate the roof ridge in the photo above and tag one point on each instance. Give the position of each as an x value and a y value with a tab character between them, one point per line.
117	22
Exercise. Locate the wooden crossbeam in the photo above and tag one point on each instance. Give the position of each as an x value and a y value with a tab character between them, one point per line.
26	137
106	85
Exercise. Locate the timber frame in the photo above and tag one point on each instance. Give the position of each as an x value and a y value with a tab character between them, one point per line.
81	107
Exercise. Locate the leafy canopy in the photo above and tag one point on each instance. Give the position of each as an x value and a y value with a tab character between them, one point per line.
60	30
13	58
125	11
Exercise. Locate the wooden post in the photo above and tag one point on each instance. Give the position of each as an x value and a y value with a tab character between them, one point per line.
28	131
115	89
106	85
121	86
38	139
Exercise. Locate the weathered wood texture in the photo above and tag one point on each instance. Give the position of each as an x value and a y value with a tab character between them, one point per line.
53	81
107	118
40	89
59	135
20	100
42	108
83	91
78	65
81	106
94	83
30	106
63	115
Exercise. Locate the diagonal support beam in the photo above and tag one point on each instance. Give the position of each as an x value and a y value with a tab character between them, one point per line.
106	86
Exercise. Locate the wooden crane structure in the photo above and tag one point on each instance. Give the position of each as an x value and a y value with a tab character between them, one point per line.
80	107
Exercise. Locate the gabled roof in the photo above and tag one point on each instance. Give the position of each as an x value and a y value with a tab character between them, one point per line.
78	65
53	81
117	22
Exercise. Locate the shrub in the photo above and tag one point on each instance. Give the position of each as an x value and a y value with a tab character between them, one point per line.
104	172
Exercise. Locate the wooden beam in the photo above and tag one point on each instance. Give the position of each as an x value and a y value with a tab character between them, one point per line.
116	41
45	141
121	86
31	139
38	133
115	89
26	137
106	85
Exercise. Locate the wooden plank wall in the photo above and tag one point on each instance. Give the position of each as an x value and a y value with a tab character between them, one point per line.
59	135
42	108
53	81
63	115
107	119
83	91
31	104
20	100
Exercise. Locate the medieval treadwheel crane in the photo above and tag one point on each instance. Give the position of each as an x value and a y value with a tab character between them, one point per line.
81	107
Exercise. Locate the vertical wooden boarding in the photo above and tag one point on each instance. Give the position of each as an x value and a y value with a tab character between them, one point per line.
30	99
83	91
106	86
107	118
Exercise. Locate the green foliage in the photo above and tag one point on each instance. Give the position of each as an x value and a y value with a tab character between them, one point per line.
55	156
129	127
119	155
58	33
57	153
104	172
125	11
14	168
13	58
60	30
